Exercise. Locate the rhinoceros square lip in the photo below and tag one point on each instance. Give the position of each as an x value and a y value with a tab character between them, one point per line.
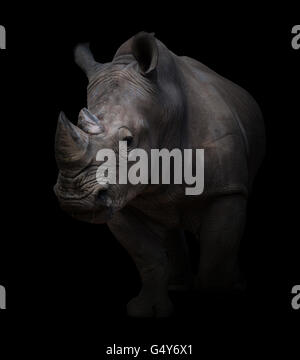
61	195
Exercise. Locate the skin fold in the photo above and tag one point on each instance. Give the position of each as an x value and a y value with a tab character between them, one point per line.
154	99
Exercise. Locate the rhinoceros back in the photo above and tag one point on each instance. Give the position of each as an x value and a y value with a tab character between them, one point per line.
245	111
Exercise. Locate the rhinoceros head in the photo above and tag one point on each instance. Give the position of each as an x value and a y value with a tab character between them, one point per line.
125	101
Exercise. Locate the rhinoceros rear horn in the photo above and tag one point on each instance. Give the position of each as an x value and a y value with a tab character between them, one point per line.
89	123
85	59
70	143
145	51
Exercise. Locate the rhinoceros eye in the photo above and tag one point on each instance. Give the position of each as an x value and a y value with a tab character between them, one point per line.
126	135
129	140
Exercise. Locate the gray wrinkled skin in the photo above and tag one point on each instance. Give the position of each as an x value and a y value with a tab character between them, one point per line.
152	98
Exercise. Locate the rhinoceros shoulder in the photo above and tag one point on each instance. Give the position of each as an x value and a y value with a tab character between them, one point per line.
197	64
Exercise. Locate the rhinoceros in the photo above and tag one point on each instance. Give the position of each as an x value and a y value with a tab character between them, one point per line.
153	99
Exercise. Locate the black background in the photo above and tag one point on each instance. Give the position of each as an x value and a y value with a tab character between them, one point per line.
60	271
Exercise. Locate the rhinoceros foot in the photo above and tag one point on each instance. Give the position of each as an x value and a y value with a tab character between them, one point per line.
182	283
234	284
141	306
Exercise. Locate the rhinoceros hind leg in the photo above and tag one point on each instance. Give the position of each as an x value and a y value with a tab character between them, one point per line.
219	236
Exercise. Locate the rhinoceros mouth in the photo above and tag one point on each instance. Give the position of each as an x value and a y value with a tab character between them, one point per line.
64	197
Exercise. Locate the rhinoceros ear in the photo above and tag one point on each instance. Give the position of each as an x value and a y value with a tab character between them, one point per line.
85	60
145	51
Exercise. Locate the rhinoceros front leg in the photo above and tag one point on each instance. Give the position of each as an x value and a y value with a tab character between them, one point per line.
144	242
181	276
220	233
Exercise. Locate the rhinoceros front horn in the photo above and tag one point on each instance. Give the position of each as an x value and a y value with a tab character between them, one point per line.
70	143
